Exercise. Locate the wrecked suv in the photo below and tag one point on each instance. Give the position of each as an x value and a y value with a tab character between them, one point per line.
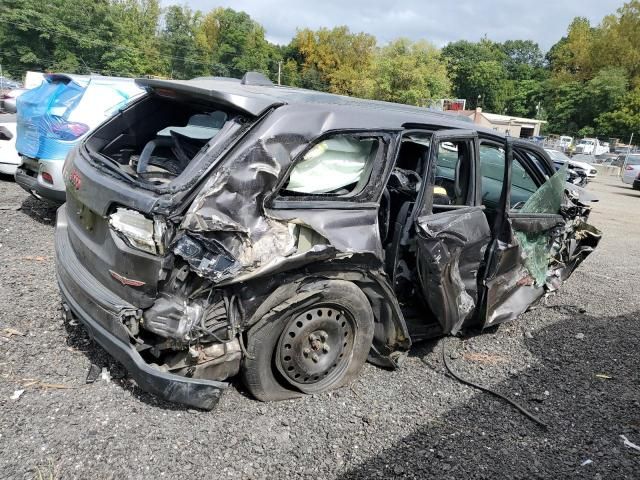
218	227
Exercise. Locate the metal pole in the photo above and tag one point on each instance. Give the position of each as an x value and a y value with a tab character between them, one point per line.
279	71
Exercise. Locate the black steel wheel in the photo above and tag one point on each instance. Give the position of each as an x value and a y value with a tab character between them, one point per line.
310	348
315	347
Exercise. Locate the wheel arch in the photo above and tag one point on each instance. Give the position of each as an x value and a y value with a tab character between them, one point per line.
391	340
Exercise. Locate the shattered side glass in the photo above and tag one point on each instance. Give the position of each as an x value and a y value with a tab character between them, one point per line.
547	198
332	165
536	246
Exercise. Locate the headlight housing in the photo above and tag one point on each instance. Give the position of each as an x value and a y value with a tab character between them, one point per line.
141	232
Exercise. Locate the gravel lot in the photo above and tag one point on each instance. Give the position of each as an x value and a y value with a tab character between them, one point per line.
574	363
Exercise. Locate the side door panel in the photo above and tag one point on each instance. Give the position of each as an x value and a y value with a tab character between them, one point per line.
451	241
451	247
520	255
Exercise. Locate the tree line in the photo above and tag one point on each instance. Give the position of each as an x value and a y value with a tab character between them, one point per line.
587	84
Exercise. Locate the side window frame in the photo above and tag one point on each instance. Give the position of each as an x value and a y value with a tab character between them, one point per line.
520	152
493	143
530	169
439	137
368	196
524	150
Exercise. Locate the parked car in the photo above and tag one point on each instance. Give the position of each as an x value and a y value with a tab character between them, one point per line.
592	146
54	117
574	177
631	169
218	226
586	168
8	100
617	161
605	158
9	159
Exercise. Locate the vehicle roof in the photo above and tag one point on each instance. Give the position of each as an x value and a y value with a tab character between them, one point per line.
256	99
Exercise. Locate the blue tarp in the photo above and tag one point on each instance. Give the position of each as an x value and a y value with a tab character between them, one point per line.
54	117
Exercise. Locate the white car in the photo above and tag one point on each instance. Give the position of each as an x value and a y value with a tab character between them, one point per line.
588	169
9	158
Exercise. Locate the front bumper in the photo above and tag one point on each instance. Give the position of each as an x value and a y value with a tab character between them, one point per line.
101	312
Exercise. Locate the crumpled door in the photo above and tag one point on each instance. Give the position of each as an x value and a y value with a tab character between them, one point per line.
451	247
533	251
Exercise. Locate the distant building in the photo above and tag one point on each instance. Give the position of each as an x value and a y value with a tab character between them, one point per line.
512	126
446	104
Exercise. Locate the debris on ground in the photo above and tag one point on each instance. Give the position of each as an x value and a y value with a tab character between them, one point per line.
487	358
10	332
37	258
93	373
629	444
17	394
105	375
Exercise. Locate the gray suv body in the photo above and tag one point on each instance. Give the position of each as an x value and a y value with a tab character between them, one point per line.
218	227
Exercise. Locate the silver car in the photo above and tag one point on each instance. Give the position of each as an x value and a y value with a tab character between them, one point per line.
631	170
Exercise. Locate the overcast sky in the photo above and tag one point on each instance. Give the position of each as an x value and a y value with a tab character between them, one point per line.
440	21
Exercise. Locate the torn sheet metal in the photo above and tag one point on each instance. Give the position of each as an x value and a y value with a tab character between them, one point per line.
451	249
229	214
231	210
550	239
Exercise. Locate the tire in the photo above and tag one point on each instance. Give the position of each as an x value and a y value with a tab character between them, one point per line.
318	341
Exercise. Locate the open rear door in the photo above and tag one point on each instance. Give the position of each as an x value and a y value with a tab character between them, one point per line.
452	232
527	229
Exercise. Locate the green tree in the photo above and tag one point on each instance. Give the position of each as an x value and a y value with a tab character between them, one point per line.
478	73
335	59
238	44
617	42
564	100
605	90
136	49
60	35
524	60
526	98
572	56
183	55
407	72
624	119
